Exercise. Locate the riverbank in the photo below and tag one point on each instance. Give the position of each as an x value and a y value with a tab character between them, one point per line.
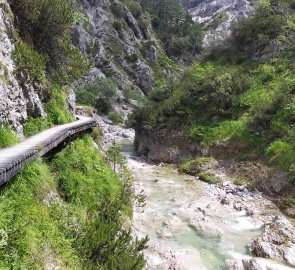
195	224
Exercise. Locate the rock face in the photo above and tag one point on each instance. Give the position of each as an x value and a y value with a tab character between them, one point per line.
163	145
217	16
19	97
114	41
277	241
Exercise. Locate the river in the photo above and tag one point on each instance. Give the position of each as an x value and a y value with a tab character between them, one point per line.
188	227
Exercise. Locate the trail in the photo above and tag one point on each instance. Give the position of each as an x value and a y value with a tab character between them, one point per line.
14	158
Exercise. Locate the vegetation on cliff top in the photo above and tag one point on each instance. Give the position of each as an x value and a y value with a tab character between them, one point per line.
180	35
245	98
57	113
46	26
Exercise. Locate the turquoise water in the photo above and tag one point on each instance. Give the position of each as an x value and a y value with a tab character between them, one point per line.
174	224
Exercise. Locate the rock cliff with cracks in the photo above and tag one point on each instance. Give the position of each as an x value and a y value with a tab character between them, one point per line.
119	44
218	16
19	96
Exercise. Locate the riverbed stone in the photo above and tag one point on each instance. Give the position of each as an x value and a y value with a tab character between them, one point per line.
225	201
277	241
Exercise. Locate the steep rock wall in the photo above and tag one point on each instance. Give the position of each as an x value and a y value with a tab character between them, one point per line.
163	145
218	16
19	97
110	42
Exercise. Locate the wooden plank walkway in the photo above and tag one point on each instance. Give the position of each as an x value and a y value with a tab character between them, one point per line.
14	158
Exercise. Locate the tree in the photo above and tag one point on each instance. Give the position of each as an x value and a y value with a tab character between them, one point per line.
47	24
114	155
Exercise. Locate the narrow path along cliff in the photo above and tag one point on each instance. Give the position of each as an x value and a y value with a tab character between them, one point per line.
195	225
13	159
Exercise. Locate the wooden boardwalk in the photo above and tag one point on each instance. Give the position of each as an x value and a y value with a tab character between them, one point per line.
14	158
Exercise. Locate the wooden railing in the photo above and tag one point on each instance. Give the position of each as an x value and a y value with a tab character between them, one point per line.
13	159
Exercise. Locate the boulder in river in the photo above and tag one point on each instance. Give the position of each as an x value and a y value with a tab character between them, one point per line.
277	241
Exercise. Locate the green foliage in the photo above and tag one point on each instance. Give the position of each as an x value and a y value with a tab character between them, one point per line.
229	98
116	9
97	135
87	181
114	156
289	202
7	136
117	25
195	166
35	125
30	60
181	36
253	34
135	9
116	117
100	94
48	24
239	180
4	73
220	18
35	236
56	107
132	58
282	153
209	177
72	218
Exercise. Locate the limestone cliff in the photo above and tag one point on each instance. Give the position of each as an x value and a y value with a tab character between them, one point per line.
19	96
218	16
119	45
117	41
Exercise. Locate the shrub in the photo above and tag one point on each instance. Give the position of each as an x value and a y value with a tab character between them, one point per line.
97	135
193	167
48	24
116	117
7	136
135	9
254	33
22	203
88	182
30	60
180	35
35	125
56	107
74	216
289	202
117	25
209	177
282	153
132	58
239	180
100	94
4	73
116	9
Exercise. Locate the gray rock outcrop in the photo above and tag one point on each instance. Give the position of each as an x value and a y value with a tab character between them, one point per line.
218	16
19	97
277	241
114	43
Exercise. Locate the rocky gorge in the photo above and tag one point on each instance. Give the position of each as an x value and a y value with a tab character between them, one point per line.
196	225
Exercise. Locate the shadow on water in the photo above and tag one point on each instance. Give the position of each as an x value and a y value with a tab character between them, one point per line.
127	148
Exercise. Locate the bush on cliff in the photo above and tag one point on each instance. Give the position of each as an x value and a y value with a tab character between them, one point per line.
47	25
7	136
228	98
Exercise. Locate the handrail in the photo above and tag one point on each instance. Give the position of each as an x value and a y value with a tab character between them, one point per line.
13	159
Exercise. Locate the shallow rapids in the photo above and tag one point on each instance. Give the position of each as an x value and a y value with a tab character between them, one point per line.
188	227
